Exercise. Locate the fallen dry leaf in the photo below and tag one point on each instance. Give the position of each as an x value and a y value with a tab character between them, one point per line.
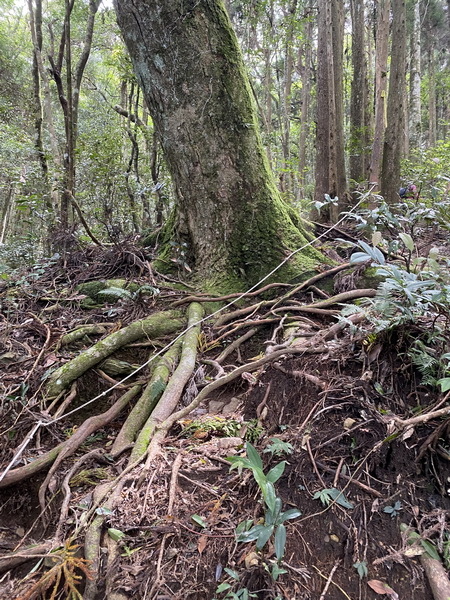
379	587
202	541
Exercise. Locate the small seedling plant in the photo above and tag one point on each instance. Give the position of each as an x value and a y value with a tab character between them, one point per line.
273	525
274	517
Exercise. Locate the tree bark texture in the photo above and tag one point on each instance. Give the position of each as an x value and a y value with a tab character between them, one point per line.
393	141
190	68
415	80
381	50
358	100
330	161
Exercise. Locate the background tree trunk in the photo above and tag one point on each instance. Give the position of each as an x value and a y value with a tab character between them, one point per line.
415	111
358	100
382	49
189	66
393	142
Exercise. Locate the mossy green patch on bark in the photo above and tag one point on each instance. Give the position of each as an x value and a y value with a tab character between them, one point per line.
161	323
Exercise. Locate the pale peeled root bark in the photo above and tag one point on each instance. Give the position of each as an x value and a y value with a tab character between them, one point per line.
437	577
174	389
158	324
148	400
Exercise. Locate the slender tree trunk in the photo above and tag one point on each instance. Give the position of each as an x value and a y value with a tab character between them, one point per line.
415	111
393	145
286	98
6	212
325	156
305	60
192	74
69	96
337	14
382	49
41	80
432	133
268	87
358	99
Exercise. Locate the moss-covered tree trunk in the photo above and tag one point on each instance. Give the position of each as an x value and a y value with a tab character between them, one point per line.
190	68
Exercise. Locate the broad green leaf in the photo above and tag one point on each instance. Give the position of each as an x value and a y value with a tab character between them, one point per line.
253	456
260	478
269	496
244	526
223	587
359	257
292	513
101	510
430	549
444	384
276	572
232	573
280	541
251	535
199	520
407	240
115	534
274	474
264	536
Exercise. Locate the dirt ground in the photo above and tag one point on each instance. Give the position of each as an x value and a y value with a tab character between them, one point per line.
328	415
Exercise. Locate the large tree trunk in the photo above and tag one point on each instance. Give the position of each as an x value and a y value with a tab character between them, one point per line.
393	141
189	66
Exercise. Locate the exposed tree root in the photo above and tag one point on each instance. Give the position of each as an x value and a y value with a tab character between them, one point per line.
175	387
68	447
147	402
15	559
158	324
154	414
81	332
437	577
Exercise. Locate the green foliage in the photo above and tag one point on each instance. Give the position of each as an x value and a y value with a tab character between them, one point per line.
327	496
361	568
274	518
393	510
273	526
278	447
221	426
429	169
